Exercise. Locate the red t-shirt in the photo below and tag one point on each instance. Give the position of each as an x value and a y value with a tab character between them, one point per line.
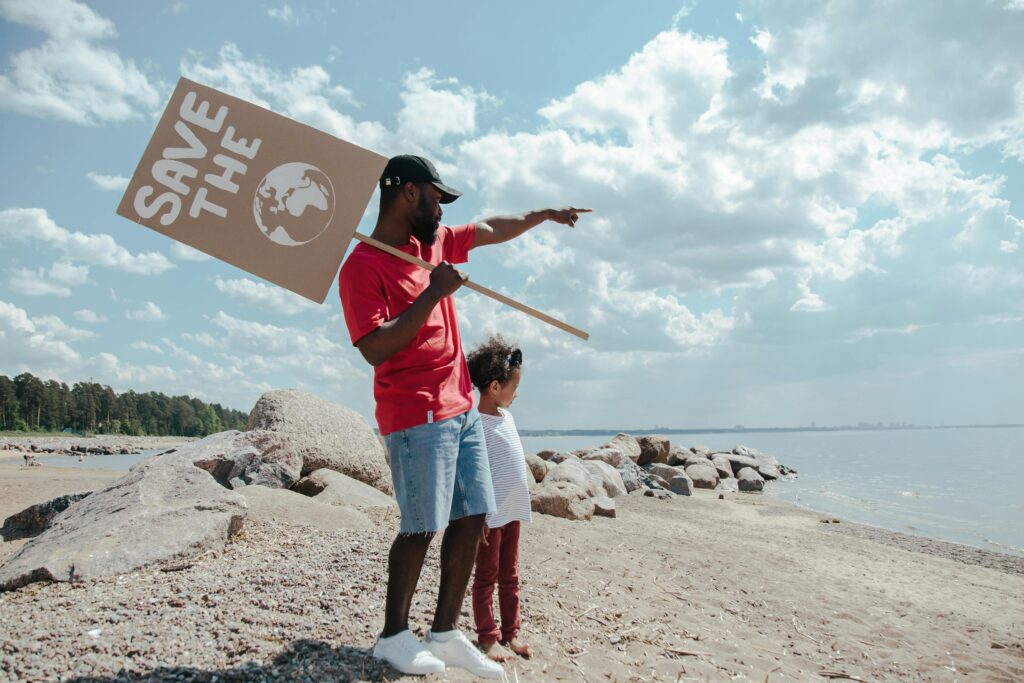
427	380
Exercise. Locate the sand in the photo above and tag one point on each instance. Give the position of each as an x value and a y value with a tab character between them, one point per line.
699	588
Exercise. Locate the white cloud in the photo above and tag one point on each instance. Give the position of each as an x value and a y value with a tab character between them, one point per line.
111	183
1007	247
187	253
57	329
146	346
70	76
86	315
308	356
57	281
434	108
34	225
26	345
302	93
149	312
284	14
868	333
264	296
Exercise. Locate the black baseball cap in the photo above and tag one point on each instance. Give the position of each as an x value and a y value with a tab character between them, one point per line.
406	168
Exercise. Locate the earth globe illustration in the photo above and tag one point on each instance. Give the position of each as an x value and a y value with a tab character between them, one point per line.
294	204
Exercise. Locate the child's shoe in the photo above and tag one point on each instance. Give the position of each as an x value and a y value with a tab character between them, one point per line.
454	649
405	652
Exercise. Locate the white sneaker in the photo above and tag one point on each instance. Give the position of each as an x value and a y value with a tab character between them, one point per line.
405	652
454	649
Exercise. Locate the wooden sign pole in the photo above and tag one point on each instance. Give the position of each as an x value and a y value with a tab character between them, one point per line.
508	301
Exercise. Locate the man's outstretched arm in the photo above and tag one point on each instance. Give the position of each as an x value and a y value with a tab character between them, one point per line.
498	229
395	334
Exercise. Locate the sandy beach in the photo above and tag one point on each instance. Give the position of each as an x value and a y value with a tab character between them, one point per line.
693	588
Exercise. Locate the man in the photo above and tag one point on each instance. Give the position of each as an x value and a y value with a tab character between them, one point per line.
402	319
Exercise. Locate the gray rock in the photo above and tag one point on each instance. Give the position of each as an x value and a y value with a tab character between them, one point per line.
653	449
289	507
744	450
701	450
609	478
603	506
633	476
666	472
703	475
627	444
738	462
696	459
573	472
562	499
660	494
538	467
722	466
546	455
681	484
327	435
37	518
677	455
334	488
612	456
557	458
166	509
749	480
237	459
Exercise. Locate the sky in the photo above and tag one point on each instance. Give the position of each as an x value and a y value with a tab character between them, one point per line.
804	212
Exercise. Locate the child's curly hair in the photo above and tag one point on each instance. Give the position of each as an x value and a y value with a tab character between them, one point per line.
493	360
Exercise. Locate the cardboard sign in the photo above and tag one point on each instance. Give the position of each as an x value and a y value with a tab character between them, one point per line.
272	196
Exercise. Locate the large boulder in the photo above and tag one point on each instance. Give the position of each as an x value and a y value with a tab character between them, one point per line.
538	466
738	462
749	480
612	456
627	444
327	435
675	478
237	459
562	499
573	472
295	509
666	472
653	449
681	484
722	466
703	475
546	455
677	455
609	478
766	465
696	459
165	509
334	488
701	450
633	476
36	519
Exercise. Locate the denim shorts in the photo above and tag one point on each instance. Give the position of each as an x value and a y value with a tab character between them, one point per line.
440	472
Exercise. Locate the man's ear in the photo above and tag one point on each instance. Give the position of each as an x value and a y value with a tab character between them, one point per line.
410	191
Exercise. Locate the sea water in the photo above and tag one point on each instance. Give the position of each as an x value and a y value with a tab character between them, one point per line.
959	485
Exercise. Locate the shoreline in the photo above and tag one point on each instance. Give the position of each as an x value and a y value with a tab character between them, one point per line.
697	587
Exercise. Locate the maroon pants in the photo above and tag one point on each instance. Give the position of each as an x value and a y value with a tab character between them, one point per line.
497	563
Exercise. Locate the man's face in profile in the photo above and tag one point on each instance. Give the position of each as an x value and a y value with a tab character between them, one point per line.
427	216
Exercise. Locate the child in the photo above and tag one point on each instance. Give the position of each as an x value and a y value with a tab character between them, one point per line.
495	368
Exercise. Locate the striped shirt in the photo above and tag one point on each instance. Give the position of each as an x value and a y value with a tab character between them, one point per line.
508	469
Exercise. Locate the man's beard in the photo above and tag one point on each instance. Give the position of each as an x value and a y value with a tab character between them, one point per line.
424	226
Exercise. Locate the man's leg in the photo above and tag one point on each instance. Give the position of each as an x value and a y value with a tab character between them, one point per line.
405	562
458	550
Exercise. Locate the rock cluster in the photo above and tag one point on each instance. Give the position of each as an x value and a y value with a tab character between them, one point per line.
191	499
564	481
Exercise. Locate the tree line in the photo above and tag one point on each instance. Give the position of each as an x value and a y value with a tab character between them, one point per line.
27	403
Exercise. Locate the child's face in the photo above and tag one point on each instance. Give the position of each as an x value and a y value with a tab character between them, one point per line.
505	393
